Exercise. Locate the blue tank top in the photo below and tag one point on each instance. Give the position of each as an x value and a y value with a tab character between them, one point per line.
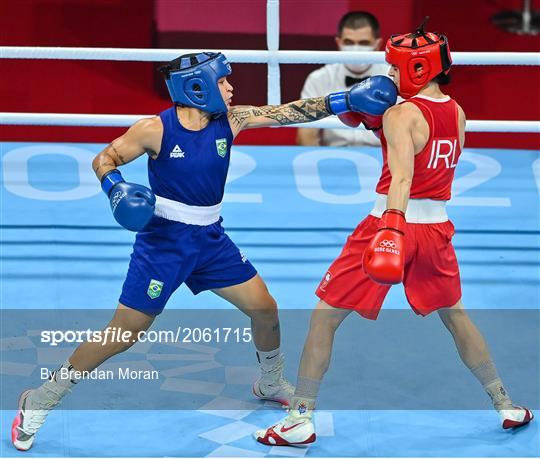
192	165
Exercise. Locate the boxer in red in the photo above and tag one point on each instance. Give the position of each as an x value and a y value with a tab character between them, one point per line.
406	238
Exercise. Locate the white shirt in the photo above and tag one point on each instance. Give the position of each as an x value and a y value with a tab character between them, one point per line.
329	79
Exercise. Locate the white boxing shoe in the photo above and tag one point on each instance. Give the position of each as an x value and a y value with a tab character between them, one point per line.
279	391
272	386
30	417
515	417
291	431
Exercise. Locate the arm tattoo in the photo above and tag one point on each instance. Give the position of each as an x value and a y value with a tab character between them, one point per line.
239	114
105	161
121	159
300	111
107	165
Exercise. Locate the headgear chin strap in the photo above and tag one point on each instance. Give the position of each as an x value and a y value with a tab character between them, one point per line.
420	56
194	83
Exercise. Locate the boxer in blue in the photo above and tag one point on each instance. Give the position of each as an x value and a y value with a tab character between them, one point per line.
179	233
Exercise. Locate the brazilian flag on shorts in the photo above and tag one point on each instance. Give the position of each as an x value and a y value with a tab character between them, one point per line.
154	289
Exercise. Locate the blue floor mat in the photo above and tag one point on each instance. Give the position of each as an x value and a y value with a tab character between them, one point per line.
290	210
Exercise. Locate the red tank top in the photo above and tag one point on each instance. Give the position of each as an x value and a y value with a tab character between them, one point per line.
434	166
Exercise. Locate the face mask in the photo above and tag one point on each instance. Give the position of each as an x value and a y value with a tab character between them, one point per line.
357	68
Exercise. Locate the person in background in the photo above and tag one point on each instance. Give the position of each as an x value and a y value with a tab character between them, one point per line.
357	31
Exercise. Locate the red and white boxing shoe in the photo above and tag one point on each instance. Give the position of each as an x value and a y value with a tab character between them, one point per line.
30	417
515	417
291	431
272	386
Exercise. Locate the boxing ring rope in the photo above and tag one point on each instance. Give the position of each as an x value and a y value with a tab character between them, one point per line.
78	119
272	57
254	56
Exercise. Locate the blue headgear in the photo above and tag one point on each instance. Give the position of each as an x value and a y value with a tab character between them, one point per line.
196	85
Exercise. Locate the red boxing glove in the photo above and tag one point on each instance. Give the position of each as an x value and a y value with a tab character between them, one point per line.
384	257
353	119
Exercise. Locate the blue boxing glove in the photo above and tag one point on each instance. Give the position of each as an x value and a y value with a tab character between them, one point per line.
368	99
132	205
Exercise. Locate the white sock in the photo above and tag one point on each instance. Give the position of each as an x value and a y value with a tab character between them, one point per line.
486	374
302	406
268	360
59	384
499	397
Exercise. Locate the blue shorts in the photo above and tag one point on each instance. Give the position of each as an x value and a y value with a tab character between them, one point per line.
168	253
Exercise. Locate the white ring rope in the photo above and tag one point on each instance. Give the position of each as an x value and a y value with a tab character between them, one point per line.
272	57
253	56
77	119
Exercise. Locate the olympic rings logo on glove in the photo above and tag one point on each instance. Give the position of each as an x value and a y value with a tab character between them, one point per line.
388	244
117	197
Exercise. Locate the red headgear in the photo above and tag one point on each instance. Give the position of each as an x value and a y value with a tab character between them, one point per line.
406	51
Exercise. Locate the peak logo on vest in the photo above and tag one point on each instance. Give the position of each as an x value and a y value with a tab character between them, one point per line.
177	152
443	149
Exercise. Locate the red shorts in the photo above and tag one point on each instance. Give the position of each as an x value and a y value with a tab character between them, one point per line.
431	271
